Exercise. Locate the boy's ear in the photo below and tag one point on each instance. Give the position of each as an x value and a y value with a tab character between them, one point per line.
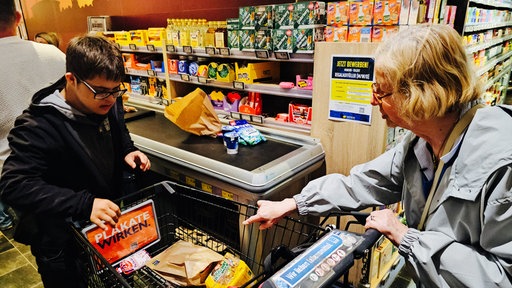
70	77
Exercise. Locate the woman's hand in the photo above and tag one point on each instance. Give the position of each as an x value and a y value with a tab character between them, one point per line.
104	211
270	212
386	222
138	158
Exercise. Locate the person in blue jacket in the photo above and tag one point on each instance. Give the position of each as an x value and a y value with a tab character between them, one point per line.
69	152
452	172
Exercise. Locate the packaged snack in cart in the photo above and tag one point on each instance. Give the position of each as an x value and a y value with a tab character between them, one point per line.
231	272
134	262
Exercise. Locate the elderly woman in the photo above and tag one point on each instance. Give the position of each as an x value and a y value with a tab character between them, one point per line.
452	172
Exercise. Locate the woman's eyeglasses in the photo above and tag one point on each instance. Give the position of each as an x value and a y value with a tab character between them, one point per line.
377	93
103	94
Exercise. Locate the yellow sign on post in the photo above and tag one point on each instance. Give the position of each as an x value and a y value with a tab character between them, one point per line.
351	88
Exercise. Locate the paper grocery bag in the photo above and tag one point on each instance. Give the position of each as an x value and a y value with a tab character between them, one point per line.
185	264
194	113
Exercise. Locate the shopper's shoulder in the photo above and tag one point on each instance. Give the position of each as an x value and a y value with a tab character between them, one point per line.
47	50
494	116
13	46
490	129
39	122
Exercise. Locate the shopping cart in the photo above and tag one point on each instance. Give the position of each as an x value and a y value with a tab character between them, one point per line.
188	214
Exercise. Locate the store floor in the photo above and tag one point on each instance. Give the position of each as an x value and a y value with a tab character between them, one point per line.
18	267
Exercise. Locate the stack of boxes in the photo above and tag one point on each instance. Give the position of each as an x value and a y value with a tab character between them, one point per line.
255	26
292	27
361	21
309	18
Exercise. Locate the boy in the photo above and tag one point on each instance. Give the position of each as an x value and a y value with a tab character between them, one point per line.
69	151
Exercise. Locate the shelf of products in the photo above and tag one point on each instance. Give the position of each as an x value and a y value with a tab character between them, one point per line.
263	88
304	57
139	73
487	34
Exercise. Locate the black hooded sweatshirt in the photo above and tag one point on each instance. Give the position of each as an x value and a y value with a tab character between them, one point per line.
60	161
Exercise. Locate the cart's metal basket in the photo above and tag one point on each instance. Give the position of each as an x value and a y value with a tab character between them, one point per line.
188	214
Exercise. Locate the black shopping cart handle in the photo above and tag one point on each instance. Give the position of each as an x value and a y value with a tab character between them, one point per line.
370	237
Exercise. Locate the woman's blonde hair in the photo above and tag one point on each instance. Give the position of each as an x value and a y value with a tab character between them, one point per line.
50	38
429	71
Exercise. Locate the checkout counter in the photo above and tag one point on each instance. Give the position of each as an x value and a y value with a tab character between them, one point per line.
275	169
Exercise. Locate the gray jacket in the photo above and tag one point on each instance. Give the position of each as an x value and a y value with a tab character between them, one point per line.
467	240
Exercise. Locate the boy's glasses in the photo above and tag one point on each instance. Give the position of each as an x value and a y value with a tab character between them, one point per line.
103	94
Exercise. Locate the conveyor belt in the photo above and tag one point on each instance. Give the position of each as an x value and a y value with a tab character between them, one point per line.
158	128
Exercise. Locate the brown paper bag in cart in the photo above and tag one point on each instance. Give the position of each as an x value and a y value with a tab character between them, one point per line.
194	113
185	264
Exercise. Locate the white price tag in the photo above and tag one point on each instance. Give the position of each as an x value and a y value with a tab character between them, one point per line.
282	55
171	48
239	85
224	51
262	54
188	49
210	50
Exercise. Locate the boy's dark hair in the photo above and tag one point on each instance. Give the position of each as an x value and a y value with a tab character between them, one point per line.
88	57
7	13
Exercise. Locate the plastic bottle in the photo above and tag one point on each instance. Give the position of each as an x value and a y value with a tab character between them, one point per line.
169	29
194	32
203	27
185	32
175	32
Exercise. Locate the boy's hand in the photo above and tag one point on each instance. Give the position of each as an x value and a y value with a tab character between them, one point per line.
104	211
138	158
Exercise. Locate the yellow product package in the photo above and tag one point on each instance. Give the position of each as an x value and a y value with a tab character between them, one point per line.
230	272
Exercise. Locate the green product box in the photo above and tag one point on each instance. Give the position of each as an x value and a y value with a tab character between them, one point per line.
247	16
264	17
233	39
309	13
233	23
305	38
263	40
247	38
283	16
283	40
